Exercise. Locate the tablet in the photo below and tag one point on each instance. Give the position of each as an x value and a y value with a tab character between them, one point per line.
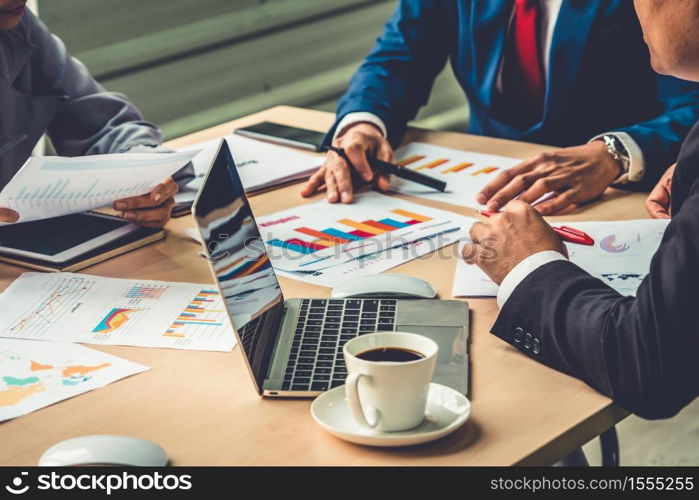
60	239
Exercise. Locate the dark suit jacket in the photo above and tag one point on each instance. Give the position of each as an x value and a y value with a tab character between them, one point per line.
44	90
600	78
644	351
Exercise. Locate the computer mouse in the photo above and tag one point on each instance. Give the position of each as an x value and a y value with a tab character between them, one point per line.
104	450
385	285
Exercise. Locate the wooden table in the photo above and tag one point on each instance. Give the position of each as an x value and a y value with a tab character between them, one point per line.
202	407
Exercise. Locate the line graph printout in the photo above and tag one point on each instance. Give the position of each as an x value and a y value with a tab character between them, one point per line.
620	257
50	186
91	309
465	173
37	374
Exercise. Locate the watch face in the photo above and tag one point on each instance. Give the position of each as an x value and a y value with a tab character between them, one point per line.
615	144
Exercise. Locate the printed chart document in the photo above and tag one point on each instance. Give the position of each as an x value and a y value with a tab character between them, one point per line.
261	165
95	310
34	375
465	173
620	256
326	244
49	186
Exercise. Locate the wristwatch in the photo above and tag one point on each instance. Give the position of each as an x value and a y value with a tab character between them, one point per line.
618	151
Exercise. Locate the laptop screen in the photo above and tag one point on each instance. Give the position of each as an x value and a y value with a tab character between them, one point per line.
239	261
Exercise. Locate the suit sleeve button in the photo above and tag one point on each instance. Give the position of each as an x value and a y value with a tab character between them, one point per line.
518	334
528	341
536	346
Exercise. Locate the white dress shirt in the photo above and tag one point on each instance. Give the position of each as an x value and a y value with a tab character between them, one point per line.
550	10
522	270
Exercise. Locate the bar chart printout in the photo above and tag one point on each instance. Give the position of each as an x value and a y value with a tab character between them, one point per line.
346	230
205	315
465	173
92	309
376	232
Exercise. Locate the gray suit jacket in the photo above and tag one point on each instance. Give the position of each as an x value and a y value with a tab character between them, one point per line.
43	89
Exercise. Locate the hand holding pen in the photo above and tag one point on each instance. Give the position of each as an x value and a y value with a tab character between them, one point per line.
386	168
499	244
566	233
360	142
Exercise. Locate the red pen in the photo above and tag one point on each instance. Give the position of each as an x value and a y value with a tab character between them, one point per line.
566	233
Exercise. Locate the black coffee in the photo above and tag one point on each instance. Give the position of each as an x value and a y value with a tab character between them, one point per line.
390	354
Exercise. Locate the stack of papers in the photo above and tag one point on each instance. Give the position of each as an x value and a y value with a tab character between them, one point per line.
50	186
261	165
620	257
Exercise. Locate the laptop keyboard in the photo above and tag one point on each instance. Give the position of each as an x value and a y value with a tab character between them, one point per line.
324	326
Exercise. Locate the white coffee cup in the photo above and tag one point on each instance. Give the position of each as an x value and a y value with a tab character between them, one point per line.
389	396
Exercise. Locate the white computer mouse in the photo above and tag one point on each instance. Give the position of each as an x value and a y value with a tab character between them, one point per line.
104	450
385	285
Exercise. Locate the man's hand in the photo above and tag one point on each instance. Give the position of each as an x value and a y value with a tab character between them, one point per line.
576	175
658	201
509	237
150	210
8	215
360	141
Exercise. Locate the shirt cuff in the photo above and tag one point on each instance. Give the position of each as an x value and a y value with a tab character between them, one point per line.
637	164
522	270
359	117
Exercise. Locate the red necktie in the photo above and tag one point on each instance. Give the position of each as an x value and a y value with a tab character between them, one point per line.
523	83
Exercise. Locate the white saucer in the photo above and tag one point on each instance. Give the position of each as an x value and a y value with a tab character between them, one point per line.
447	410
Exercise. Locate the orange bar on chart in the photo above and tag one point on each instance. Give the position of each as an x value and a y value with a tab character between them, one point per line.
362	227
379	225
411	215
321	235
458	168
486	170
409	160
433	164
324	243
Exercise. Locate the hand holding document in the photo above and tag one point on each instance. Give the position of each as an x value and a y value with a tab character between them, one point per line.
51	186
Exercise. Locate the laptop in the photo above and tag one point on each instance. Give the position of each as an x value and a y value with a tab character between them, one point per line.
293	347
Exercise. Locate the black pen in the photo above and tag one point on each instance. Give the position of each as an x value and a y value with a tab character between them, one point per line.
389	168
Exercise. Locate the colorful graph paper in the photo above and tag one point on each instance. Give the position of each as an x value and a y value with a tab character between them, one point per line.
348	230
204	310
458	168
114	319
145	292
433	164
486	170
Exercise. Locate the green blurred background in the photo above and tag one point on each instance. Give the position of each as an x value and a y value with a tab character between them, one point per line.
190	64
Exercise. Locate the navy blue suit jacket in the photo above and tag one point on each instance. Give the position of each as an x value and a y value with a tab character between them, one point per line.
600	77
